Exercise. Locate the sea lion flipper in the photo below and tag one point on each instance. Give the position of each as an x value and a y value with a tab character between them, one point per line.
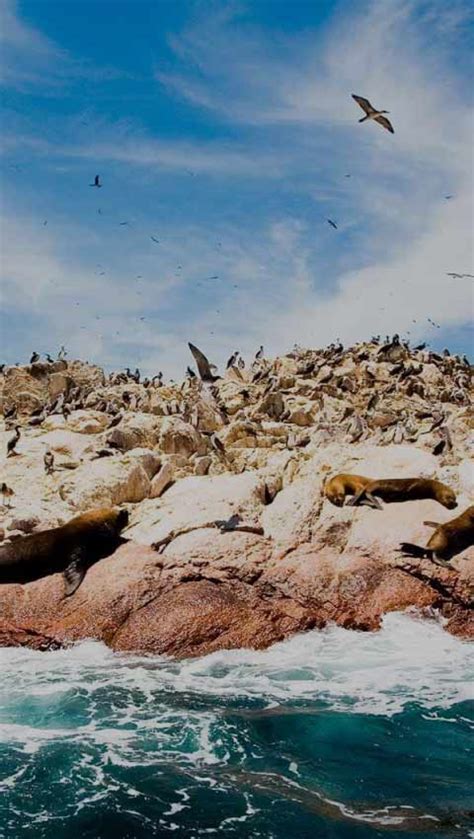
438	560
372	501
74	573
364	498
409	549
356	499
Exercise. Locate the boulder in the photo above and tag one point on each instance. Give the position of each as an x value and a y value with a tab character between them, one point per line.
135	430
179	437
106	482
161	481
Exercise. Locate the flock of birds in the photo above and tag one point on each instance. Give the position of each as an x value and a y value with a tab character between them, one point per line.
372	114
394	350
207	371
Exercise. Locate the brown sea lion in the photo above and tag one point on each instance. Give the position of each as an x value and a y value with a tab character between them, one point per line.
70	549
337	487
448	539
364	490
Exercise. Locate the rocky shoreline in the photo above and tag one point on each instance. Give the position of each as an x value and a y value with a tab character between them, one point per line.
226	481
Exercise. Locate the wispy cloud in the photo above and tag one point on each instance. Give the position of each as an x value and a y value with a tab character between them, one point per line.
246	255
30	59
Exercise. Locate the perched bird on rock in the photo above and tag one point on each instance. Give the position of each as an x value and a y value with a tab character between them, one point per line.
34	357
48	461
6	492
12	443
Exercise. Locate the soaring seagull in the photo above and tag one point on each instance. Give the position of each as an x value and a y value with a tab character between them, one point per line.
372	113
96	182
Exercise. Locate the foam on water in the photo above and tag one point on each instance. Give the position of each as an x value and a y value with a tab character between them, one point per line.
90	722
409	660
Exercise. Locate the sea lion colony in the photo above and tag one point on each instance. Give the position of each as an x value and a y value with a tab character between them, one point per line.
382	391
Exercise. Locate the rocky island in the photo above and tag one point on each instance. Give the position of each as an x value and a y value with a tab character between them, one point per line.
231	541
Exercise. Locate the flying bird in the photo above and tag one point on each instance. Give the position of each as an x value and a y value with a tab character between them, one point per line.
459	276
203	365
332	223
97	182
153	239
372	113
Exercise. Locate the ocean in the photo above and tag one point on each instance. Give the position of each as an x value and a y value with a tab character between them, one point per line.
332	733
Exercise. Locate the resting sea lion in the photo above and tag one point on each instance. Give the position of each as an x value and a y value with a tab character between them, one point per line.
447	540
364	490
69	549
343	484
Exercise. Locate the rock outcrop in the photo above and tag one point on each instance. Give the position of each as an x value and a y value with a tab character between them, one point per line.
231	541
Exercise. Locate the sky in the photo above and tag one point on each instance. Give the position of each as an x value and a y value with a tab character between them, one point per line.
227	132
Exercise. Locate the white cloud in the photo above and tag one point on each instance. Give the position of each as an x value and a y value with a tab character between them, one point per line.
29	58
284	275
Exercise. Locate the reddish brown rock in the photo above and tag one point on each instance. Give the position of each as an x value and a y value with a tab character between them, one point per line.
209	591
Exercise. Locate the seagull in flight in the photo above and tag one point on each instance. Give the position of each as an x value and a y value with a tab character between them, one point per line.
332	223
205	369
459	276
372	113
96	182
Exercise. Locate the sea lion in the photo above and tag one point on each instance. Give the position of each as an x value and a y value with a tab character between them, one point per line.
337	487
365	489
70	549
448	539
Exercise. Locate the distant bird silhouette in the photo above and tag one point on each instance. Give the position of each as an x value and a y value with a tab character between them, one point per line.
203	365
373	113
332	223
49	359
459	276
154	239
217	444
97	182
34	357
420	346
259	353
12	443
116	420
231	361
190	372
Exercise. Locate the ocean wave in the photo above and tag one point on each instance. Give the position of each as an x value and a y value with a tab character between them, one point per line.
410	660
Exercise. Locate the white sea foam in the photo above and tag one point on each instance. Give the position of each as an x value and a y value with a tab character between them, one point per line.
111	713
409	660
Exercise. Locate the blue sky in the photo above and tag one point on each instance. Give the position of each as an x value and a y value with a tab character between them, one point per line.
227	132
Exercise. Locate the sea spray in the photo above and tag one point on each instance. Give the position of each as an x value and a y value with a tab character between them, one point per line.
346	732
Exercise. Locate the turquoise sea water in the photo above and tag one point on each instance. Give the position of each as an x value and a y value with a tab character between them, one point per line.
333	734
